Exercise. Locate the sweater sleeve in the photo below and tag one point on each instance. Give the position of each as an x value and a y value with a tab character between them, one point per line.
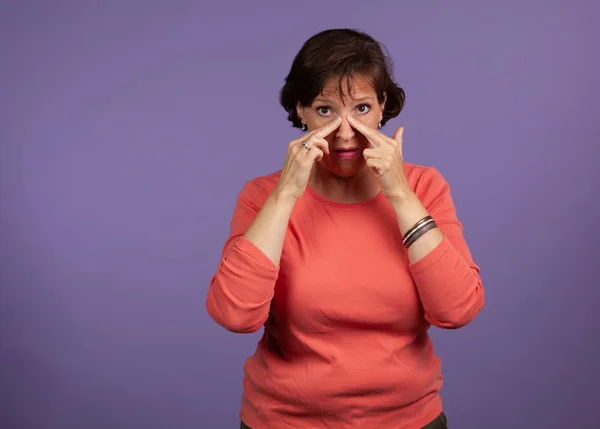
240	292
447	279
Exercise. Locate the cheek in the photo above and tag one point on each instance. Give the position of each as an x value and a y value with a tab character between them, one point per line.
320	121
364	143
374	116
370	119
317	121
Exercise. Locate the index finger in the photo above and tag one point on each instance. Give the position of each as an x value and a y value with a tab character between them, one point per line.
371	134
325	130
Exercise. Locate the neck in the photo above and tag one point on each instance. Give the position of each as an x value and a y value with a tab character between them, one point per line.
346	190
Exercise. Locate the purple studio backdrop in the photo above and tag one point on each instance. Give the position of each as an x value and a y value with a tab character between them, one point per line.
127	130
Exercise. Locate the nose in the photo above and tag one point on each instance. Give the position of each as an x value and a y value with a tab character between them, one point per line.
345	131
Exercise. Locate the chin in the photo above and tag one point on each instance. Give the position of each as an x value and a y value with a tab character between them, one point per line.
346	170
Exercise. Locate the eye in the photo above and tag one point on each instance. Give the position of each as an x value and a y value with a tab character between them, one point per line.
323	110
363	108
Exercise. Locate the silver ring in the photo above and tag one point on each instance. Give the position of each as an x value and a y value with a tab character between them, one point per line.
305	144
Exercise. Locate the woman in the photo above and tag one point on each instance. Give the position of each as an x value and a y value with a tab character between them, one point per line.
346	256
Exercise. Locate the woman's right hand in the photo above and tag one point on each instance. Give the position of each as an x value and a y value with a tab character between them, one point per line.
299	160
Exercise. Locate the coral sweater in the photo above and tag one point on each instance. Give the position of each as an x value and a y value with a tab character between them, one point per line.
345	314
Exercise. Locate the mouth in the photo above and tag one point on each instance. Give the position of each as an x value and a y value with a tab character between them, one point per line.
346	153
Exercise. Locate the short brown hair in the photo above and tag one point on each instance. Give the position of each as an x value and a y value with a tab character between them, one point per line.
341	54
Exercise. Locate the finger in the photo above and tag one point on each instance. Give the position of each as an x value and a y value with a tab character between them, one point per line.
384	156
314	154
295	147
398	138
370	153
375	165
304	137
374	136
299	141
325	130
313	145
302	145
319	142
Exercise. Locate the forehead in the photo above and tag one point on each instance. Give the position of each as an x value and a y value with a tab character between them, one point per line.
348	88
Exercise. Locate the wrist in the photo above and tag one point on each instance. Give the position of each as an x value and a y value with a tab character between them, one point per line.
403	197
409	210
281	198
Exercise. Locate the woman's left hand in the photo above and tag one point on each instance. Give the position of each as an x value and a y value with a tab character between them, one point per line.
385	160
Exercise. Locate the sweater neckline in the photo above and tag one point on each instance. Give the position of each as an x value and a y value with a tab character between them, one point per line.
359	204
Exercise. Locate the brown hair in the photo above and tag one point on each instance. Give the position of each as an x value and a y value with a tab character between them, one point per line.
341	54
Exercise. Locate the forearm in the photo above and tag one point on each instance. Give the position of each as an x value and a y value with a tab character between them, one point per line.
449	288
240	293
267	231
409	210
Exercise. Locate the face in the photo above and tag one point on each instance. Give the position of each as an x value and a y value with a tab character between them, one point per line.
345	144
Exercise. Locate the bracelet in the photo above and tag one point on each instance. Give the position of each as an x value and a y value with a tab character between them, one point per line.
414	228
420	232
420	228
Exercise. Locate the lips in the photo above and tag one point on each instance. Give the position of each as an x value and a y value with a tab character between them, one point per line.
346	153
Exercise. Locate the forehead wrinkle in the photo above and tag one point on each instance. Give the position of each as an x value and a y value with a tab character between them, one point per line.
356	100
354	89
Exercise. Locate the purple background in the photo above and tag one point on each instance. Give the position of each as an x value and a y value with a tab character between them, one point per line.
128	128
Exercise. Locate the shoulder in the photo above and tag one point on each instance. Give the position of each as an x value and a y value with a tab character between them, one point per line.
426	181
420	175
259	188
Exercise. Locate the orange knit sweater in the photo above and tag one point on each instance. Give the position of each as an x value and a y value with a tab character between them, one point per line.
346	315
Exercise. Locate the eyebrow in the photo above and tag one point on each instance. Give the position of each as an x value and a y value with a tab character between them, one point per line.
357	100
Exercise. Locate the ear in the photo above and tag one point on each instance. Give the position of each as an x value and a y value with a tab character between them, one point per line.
300	111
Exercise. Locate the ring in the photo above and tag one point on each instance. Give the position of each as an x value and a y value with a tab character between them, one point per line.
305	144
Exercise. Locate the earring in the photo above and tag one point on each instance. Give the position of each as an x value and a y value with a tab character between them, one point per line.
304	127
379	124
